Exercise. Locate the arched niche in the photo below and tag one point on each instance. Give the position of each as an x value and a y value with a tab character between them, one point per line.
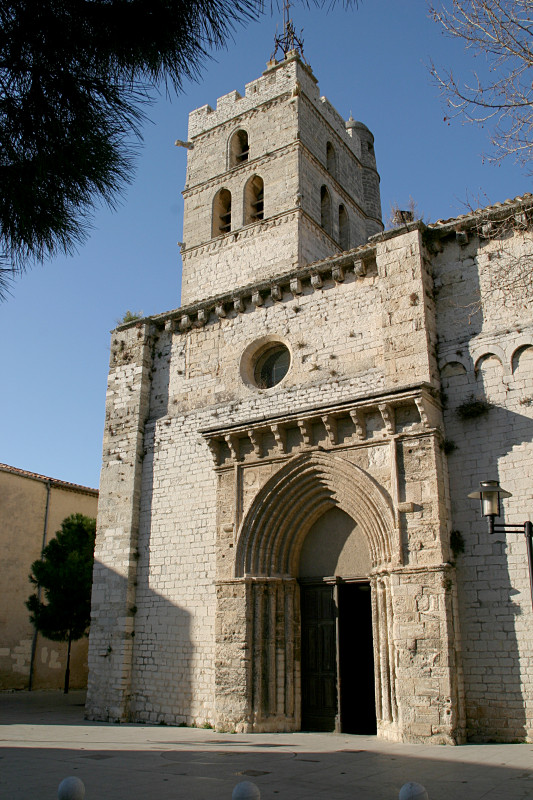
451	369
221	213
522	359
254	200
487	362
239	149
331	160
325	209
344	228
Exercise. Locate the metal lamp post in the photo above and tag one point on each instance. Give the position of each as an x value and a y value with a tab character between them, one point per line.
489	495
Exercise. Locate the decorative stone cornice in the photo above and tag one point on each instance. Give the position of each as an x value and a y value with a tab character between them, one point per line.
294	282
330	428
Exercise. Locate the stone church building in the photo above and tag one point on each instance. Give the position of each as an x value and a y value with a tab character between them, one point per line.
285	540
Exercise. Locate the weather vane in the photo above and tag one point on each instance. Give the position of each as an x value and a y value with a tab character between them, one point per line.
288	40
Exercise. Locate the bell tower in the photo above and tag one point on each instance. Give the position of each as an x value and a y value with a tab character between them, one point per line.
276	179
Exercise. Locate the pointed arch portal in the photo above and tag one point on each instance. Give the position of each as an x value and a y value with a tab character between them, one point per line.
273	530
266	592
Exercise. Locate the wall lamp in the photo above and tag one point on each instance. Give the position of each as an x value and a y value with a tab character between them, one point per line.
490	494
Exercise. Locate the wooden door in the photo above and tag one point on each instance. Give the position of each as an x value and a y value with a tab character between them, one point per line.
319	657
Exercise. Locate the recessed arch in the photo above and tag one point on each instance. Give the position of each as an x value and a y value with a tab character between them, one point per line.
344	228
487	361
221	221
521	355
325	209
451	369
331	160
238	149
275	526
254	200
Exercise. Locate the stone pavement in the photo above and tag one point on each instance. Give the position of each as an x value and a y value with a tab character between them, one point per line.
44	738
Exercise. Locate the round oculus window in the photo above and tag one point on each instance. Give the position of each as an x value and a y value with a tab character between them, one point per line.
272	366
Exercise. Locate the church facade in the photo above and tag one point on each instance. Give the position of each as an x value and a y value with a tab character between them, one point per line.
284	536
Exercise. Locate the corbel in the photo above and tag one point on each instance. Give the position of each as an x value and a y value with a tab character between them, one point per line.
359	267
281	438
422	410
296	286
214	448
238	305
337	273
330	424
316	281
257	299
305	432
233	444
275	292
358	419
185	323
220	310
202	317
256	442
387	415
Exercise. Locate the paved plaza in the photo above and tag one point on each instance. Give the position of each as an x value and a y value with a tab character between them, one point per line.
44	738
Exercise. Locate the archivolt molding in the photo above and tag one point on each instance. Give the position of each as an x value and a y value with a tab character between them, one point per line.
273	530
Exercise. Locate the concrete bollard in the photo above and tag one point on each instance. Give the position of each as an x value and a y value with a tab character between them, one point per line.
71	789
246	790
413	791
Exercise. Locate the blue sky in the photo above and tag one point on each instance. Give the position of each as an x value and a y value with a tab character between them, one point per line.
370	61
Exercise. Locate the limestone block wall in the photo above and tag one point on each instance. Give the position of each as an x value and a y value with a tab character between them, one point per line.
486	354
116	552
156	643
288	128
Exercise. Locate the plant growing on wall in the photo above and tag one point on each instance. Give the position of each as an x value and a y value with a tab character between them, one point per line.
473	407
64	574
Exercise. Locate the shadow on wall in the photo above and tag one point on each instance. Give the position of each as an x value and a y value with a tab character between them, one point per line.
154	672
488	389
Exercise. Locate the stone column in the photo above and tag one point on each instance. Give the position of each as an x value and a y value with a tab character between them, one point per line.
116	554
257	683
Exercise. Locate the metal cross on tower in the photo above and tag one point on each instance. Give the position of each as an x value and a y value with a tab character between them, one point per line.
288	40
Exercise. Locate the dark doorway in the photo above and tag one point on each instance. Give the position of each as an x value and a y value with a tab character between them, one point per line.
337	658
319	661
356	659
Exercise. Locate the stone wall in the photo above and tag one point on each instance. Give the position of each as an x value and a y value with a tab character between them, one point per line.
289	127
486	356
